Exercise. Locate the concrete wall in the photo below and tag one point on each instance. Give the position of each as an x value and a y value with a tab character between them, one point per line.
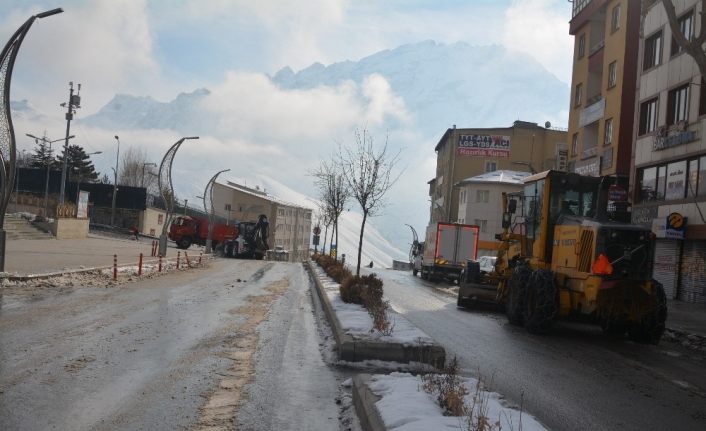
152	221
70	228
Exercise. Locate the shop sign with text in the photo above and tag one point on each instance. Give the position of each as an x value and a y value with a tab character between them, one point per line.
484	146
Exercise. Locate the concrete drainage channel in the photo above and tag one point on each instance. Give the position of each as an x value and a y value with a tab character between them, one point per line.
356	348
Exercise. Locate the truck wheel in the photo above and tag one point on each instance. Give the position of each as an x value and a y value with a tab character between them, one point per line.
425	274
184	243
542	302
517	291
650	330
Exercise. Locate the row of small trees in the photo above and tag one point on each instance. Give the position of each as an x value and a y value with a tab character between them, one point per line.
360	172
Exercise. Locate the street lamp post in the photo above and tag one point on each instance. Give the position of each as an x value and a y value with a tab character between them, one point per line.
208	207
8	154
115	183
46	186
143	171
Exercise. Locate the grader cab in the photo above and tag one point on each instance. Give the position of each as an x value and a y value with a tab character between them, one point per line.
568	250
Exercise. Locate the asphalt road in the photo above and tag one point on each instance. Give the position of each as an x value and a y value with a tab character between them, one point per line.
573	379
175	352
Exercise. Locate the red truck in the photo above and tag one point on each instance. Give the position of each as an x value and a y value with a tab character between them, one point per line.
187	230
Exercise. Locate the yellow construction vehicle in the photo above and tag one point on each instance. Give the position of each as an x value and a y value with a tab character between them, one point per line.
571	251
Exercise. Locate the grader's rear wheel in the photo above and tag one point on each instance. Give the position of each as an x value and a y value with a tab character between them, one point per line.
542	302
651	328
517	291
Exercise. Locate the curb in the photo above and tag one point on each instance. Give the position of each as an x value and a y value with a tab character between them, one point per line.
28	277
354	350
364	401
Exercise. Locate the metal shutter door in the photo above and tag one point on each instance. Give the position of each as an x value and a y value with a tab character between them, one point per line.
666	265
692	286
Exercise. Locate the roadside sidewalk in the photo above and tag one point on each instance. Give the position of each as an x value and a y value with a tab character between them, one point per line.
42	256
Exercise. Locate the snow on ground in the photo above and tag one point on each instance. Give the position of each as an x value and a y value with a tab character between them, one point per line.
356	322
405	406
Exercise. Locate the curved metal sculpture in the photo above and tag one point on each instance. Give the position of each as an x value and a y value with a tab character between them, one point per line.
208	207
166	189
8	156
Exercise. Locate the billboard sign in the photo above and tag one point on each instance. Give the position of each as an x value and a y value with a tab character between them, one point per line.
82	207
484	146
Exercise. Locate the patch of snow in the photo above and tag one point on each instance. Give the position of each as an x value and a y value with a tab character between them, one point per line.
405	406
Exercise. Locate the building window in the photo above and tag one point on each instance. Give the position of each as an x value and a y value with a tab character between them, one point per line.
676	180
581	48
678	105
280	212
612	74
615	19
152	232
648	184
653	51
648	116
482	224
160	218
702	97
482	195
575	144
686	25
577	94
491	166
608	132
701	182
607	159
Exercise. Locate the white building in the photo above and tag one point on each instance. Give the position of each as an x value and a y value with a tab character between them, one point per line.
669	171
290	224
480	203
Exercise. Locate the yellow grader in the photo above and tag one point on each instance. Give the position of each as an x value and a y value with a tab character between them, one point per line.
568	250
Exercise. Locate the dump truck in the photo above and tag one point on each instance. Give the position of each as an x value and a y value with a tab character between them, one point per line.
568	250
187	230
445	251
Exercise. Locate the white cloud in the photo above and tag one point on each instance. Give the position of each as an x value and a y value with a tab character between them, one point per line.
541	29
106	45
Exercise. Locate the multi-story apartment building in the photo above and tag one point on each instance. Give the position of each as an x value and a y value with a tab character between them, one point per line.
603	85
464	153
290	224
480	203
669	173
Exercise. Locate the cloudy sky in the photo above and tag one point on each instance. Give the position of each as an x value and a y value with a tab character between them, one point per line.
160	48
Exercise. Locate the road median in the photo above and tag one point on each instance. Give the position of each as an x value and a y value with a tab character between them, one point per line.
351	327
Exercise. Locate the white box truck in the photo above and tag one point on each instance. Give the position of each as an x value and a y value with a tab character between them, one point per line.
447	248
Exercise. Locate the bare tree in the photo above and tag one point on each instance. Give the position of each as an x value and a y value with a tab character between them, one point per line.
693	45
138	171
333	187
369	176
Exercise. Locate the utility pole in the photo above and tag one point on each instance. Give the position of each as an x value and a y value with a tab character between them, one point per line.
115	183
73	105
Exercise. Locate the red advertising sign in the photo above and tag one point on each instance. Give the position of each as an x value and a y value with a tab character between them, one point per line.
484	146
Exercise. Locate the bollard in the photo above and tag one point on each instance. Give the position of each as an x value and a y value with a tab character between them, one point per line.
139	267
178	258
115	267
159	269
186	256
200	255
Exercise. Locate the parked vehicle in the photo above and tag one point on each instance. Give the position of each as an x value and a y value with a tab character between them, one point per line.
186	230
447	248
572	252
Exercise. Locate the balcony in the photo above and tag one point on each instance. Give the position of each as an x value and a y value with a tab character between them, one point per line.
596	47
594	110
579	5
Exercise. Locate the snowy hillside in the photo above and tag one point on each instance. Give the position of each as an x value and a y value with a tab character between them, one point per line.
376	247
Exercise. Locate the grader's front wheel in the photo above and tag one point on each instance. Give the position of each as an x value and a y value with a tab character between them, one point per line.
542	302
516	293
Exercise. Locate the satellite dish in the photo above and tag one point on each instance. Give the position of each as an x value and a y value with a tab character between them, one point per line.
547	125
